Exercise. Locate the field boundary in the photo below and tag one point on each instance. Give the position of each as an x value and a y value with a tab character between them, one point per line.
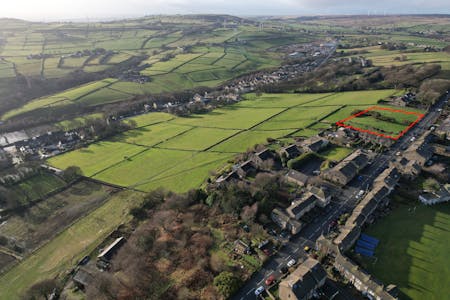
420	116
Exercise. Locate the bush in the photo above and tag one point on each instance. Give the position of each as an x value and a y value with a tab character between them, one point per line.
227	284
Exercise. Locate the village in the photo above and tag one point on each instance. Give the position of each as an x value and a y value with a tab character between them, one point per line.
313	239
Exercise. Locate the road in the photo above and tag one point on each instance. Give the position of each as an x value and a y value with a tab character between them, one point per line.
308	235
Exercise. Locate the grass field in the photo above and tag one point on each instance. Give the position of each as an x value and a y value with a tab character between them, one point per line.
179	153
44	220
67	248
35	187
413	251
96	157
399	121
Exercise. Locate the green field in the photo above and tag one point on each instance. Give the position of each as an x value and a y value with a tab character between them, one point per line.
66	249
368	122
179	153
413	251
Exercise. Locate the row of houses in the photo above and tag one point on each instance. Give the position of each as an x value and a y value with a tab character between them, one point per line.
443	130
303	283
289	218
258	161
413	159
383	185
348	168
363	281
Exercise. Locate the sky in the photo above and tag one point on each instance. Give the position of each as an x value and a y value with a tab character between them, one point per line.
42	10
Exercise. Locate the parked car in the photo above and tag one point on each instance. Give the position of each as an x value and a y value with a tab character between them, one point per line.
270	280
291	263
306	248
360	193
284	270
267	252
259	290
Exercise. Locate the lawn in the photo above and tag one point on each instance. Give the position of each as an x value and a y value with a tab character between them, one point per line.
413	250
62	252
336	153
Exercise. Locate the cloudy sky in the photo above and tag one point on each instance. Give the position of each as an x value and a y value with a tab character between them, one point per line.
82	9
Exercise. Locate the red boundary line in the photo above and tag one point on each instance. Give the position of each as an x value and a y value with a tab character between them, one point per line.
420	116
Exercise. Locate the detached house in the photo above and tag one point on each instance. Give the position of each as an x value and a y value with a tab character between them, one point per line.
314	144
290	152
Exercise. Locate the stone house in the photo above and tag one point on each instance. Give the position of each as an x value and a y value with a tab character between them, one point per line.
303	283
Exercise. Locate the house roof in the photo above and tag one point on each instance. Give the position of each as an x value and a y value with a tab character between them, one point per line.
291	150
321	192
315	143
348	170
305	278
264	154
297	176
299	205
347	236
370	282
247	166
83	277
283	216
111	247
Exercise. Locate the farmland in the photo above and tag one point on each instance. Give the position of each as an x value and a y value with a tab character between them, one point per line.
173	59
69	246
164	148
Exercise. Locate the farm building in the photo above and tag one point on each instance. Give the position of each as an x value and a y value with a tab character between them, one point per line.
303	282
83	278
109	251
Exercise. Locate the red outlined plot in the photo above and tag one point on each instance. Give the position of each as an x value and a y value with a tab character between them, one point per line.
373	108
